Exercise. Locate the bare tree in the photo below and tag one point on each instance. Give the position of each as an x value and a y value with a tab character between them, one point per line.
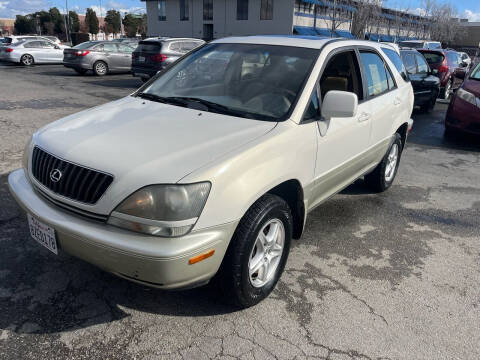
366	18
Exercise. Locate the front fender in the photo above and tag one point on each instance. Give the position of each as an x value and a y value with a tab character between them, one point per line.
240	178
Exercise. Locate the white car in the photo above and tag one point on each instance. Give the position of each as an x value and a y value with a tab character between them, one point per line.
465	58
191	175
421	44
34	51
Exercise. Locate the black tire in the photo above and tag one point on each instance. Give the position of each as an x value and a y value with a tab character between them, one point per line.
429	106
100	68
27	60
234	276
447	91
81	71
377	179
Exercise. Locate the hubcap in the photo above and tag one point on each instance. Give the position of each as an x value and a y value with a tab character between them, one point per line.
101	68
266	253
391	163
27	60
448	90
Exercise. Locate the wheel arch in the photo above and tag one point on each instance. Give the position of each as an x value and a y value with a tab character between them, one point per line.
402	130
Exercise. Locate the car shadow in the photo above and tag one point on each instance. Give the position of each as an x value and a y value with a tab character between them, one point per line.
62	293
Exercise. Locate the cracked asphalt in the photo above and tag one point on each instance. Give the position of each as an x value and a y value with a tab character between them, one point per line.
375	276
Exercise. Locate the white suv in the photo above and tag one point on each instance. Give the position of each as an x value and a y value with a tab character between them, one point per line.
213	165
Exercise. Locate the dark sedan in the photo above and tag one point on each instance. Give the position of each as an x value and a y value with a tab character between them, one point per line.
426	86
463	114
101	57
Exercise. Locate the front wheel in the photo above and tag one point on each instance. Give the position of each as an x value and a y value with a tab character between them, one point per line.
429	106
100	68
258	251
382	177
27	60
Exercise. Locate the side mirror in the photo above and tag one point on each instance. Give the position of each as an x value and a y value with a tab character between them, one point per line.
339	104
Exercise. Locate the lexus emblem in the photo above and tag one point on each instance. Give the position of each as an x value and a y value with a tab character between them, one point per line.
55	175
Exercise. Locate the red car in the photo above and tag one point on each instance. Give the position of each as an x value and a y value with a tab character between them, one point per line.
446	62
463	114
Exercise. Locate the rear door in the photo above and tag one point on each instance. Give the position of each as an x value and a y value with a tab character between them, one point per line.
52	54
35	49
113	56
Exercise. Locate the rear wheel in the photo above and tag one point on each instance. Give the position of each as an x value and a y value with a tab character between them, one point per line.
27	60
447	91
428	107
100	68
382	177
81	71
257	253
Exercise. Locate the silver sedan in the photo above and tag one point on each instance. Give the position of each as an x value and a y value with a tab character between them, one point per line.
31	52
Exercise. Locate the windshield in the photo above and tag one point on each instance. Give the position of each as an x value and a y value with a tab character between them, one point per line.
475	75
412	44
434	45
247	80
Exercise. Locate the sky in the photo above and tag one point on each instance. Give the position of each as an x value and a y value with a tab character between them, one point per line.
9	8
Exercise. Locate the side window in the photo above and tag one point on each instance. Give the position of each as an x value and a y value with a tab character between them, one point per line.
422	64
32	44
410	63
47	45
98	47
188	46
397	62
175	46
390	81
108	47
375	71
452	59
313	108
125	48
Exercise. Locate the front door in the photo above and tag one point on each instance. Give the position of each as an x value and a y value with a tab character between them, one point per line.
342	142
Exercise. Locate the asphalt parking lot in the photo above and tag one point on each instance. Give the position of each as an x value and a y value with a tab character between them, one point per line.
389	276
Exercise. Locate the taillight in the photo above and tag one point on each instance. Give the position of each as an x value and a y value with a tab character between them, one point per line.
81	52
158	57
8	50
443	69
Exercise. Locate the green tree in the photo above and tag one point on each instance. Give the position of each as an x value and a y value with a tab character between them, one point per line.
113	22
74	21
92	21
57	20
131	23
43	19
24	24
143	26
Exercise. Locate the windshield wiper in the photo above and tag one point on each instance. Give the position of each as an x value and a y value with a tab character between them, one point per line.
161	99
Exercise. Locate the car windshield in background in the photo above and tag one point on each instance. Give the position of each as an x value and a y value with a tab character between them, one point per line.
84	45
247	80
434	45
433	58
475	75
414	45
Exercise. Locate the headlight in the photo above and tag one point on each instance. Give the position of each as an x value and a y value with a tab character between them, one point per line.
162	210
468	97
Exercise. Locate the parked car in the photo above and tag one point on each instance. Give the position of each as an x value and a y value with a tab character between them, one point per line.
463	114
12	39
154	54
32	51
421	44
465	58
446	62
56	41
188	177
101	57
425	83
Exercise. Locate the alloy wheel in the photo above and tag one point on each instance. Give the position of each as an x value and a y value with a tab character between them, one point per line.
266	253
101	68
27	60
391	163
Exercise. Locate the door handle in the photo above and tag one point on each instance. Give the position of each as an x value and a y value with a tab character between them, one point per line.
397	101
363	117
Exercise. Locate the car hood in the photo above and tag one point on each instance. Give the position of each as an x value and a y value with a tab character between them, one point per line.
472	86
141	142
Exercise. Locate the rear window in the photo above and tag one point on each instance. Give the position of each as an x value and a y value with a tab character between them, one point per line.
84	45
149	47
433	58
415	45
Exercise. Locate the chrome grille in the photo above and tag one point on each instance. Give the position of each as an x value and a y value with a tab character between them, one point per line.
76	182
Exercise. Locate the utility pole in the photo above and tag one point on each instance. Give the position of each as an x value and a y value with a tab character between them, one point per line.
67	20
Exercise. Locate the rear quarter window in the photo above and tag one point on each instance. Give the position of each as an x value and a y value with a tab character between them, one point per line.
397	62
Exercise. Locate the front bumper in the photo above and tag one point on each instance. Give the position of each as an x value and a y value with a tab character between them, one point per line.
463	116
153	261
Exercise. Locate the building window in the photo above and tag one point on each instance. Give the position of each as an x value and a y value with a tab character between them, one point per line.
242	9
266	10
184	13
207	9
162	10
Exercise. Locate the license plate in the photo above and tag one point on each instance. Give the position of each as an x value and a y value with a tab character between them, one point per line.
141	58
43	234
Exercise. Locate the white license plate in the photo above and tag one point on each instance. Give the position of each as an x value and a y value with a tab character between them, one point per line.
141	58
43	234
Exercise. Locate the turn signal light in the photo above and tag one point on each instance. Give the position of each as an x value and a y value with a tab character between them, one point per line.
201	257
159	57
